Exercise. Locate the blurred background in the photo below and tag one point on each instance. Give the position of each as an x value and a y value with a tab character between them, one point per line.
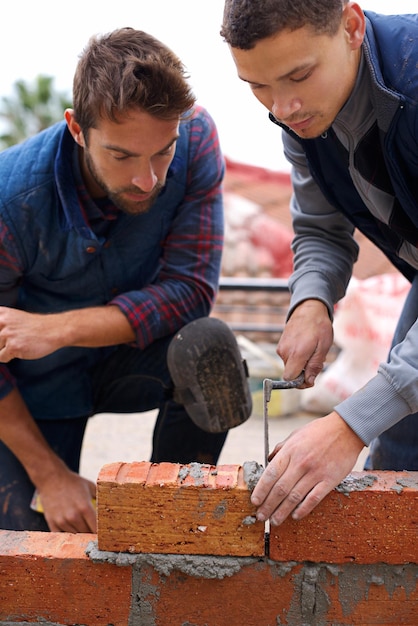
46	37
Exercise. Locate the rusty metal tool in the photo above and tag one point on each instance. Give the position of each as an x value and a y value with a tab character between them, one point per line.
268	386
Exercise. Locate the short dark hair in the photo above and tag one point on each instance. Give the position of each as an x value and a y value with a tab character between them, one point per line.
245	22
128	69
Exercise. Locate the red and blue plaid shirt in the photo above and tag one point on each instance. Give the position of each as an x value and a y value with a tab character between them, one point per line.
59	250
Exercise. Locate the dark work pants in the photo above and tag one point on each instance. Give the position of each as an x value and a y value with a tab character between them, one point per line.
128	381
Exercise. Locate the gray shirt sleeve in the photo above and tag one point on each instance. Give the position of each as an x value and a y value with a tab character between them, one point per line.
323	245
388	397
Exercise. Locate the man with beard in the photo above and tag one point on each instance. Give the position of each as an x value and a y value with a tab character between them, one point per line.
111	226
342	85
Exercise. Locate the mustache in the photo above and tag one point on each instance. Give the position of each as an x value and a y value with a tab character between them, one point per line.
138	190
295	119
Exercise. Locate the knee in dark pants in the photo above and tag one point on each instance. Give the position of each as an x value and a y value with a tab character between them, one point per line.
178	440
16	491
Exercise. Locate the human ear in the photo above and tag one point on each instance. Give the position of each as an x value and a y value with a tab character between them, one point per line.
354	23
74	127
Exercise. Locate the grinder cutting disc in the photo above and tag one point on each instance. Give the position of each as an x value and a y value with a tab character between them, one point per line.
209	374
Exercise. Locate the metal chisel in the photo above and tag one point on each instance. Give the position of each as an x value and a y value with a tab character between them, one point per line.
268	386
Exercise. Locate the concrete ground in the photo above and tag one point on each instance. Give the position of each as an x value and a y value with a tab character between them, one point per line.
111	438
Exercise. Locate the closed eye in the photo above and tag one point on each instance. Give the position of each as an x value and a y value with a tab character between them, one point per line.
256	86
166	152
119	155
300	79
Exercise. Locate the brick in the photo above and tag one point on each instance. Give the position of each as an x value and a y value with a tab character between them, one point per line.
372	518
263	593
255	595
48	577
177	509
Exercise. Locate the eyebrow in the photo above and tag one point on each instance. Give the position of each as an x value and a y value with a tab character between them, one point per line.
115	148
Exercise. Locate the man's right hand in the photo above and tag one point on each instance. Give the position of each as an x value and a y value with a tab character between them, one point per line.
306	340
26	335
32	336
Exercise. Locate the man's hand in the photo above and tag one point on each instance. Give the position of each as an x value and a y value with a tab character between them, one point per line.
27	335
306	340
65	496
67	503
33	335
305	468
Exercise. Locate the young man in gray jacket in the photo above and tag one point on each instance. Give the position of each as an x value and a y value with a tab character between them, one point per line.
343	85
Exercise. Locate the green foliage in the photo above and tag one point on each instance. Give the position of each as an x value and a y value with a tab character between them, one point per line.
31	108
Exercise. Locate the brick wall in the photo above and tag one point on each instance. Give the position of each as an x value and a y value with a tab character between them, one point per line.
180	546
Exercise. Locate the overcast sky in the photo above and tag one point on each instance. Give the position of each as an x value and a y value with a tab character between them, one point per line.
46	37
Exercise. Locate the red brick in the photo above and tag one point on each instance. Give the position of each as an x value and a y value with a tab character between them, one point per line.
177	509
377	523
294	594
47	576
253	596
124	472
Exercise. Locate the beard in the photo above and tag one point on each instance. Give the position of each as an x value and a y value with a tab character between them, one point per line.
119	196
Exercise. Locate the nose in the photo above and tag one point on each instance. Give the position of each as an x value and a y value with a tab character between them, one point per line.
145	178
283	107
